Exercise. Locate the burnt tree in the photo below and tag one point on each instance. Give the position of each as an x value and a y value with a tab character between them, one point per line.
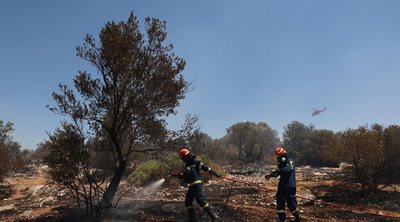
137	83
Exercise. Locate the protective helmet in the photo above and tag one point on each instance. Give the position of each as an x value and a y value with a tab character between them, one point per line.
184	152
280	151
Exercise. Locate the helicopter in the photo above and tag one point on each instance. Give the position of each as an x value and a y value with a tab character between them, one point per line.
317	111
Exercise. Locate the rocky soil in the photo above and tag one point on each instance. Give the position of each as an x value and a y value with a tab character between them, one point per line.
28	197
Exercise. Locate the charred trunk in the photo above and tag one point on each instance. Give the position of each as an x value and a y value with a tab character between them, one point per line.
106	201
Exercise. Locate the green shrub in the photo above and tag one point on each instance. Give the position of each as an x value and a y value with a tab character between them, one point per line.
145	173
151	170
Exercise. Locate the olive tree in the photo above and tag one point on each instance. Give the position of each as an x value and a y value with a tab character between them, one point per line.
5	130
295	139
12	158
252	140
373	153
138	82
391	146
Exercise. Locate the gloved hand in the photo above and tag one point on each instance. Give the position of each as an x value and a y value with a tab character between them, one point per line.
176	174
215	173
274	173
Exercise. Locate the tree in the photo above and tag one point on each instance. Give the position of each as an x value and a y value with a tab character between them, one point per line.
238	134
252	140
15	155
4	162
39	154
318	146
201	144
189	135
67	159
373	155
137	84
5	131
216	149
5	155
295	139
391	146
10	151
362	148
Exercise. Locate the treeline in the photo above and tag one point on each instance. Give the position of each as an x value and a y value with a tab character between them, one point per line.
12	157
372	153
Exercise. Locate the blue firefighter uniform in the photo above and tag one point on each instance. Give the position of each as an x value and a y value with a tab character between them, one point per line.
192	177
286	187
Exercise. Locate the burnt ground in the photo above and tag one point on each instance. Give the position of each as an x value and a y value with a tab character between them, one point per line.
237	202
233	201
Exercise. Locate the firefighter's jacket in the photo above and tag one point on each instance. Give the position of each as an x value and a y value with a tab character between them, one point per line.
192	175
287	172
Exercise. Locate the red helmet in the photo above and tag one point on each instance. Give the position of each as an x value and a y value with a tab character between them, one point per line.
280	151
184	152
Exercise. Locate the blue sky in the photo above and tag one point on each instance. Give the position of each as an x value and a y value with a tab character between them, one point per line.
259	60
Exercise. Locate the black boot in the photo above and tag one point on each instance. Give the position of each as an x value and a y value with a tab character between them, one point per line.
296	215
282	217
212	214
192	215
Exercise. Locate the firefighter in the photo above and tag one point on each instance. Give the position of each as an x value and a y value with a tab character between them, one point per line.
193	178
287	185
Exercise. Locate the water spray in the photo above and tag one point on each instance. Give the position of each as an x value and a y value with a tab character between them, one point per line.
151	188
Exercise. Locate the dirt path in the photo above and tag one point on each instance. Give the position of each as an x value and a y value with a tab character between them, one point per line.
28	196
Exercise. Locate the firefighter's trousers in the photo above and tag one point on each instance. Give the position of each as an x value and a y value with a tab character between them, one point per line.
196	192
288	195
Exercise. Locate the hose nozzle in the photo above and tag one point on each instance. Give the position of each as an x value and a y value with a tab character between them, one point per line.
173	175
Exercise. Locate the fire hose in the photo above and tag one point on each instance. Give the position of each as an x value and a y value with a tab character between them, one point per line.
354	210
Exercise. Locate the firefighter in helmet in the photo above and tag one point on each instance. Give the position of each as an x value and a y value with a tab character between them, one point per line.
193	178
287	185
